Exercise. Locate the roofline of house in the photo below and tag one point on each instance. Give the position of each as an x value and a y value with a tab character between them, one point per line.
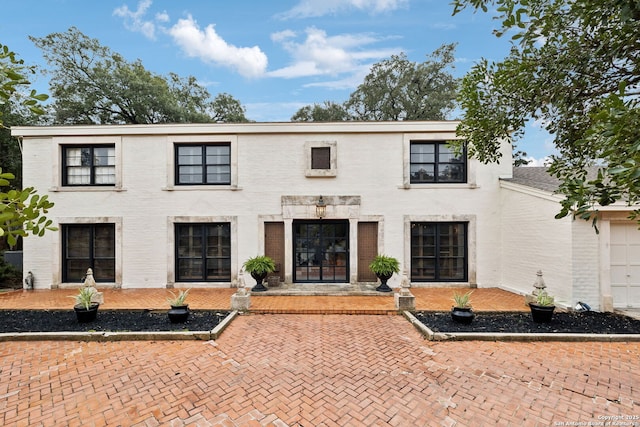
238	128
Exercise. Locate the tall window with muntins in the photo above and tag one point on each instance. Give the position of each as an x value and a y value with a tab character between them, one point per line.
89	165
203	252
435	162
88	246
439	251
208	164
321	158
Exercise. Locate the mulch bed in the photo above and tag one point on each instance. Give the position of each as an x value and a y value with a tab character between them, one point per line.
520	322
106	321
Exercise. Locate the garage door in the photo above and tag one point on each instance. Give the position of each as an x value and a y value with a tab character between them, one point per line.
625	265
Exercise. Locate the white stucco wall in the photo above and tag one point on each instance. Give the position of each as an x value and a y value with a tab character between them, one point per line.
533	240
269	162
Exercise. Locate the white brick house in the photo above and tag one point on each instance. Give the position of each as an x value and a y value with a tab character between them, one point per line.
184	205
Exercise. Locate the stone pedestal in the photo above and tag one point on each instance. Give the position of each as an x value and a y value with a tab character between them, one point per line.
404	299
241	300
405	302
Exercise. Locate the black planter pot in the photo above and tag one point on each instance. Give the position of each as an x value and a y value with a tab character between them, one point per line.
462	315
259	277
86	315
383	282
178	313
541	313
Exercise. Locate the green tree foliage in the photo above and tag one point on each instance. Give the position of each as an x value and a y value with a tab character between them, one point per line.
327	112
228	109
91	84
13	77
21	211
574	66
396	89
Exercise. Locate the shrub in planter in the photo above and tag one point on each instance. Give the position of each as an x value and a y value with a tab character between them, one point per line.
383	267
259	266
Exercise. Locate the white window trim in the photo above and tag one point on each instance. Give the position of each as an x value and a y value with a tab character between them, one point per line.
59	142
172	141
171	250
433	137
321	173
57	245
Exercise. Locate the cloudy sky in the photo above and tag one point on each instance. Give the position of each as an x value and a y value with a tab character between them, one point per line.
275	56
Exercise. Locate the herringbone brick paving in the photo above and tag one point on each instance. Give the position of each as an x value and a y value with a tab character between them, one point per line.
484	299
316	370
311	370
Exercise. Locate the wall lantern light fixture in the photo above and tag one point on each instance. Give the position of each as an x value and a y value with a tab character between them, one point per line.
321	208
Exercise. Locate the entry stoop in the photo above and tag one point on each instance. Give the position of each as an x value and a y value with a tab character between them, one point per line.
325	289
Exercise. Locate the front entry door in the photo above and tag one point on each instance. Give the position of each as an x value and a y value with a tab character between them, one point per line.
321	251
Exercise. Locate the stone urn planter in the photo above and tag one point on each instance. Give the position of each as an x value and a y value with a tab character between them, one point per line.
383	267
259	267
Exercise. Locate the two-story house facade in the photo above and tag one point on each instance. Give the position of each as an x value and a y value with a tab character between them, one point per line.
184	205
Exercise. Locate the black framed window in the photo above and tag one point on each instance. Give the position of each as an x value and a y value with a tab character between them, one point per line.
435	162
88	246
89	165
321	158
203	252
439	251
208	164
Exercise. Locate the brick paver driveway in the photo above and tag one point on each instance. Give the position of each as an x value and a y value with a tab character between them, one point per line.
318	370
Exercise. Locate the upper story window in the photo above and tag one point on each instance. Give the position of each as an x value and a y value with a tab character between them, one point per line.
321	159
89	165
435	162
203	164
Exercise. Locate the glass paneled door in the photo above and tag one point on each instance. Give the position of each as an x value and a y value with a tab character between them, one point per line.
321	251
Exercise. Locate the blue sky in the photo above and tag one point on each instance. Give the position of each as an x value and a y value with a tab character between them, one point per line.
274	56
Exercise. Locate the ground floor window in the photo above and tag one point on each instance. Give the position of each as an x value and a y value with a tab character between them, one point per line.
88	246
203	252
439	251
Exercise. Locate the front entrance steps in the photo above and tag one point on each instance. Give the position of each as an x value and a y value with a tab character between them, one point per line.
325	289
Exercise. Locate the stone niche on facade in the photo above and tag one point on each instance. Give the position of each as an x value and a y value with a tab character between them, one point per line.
304	207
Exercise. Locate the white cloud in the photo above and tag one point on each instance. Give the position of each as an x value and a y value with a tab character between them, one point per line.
319	54
134	20
210	47
314	8
545	161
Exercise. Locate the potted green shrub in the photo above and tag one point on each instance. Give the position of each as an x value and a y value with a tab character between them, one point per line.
383	267
179	311
542	309
259	266
462	311
86	309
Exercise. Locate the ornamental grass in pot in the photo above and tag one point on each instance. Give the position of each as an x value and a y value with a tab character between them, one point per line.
462	311
542	309
179	311
85	308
